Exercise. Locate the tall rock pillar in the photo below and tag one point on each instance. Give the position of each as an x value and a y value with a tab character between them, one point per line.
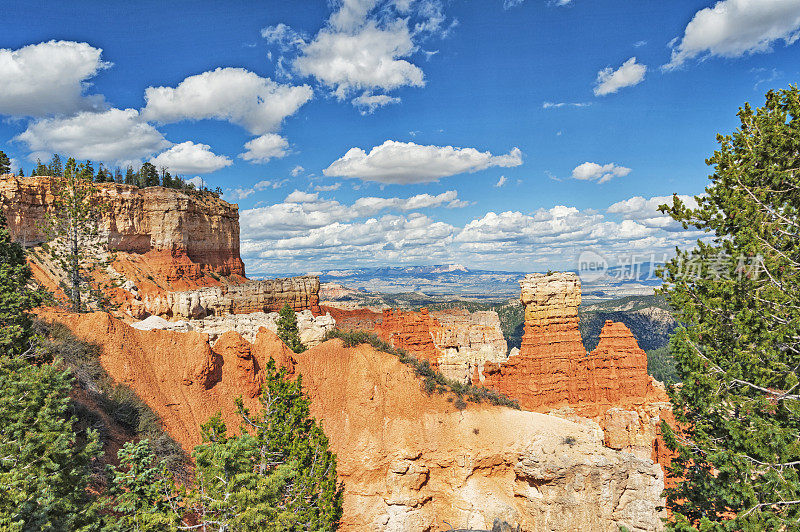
547	370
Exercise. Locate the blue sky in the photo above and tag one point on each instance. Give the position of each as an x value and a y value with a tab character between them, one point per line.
507	135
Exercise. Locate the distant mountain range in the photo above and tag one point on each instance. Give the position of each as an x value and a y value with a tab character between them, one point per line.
458	280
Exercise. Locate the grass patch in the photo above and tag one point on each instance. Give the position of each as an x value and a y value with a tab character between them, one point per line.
432	380
118	401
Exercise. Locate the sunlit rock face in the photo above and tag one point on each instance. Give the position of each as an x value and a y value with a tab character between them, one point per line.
408	460
186	233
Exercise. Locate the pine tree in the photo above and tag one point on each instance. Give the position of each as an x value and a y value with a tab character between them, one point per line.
74	224
287	329
45	468
21	172
148	176
130	176
5	164
738	355
277	475
101	176
87	170
55	168
15	297
40	169
142	494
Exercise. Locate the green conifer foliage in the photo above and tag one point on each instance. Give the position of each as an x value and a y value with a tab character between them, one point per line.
277	475
287	329
142	494
75	224
15	297
45	467
148	176
55	168
5	163
738	356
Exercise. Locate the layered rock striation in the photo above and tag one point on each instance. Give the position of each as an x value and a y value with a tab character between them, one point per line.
311	329
553	369
467	340
301	293
170	253
183	234
408	460
455	342
412	332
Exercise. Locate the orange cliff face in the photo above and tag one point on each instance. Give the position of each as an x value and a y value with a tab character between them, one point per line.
553	371
454	341
178	374
408	460
411	331
175	238
169	252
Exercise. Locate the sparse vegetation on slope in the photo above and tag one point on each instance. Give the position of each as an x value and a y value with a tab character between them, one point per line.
123	406
432	380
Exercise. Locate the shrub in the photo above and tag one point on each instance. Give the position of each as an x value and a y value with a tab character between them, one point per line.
117	400
432	380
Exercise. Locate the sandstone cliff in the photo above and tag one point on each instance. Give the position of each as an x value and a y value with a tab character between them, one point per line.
300	293
409	461
553	369
553	372
168	252
311	329
456	342
182	234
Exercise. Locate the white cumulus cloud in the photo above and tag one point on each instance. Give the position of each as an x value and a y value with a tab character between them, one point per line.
396	162
367	103
49	78
233	94
366	47
369	58
645	211
610	81
732	28
307	227
262	149
599	172
190	158
113	135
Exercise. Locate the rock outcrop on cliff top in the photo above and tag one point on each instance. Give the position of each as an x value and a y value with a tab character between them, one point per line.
168	224
554	373
409	461
170	252
553	369
311	329
301	293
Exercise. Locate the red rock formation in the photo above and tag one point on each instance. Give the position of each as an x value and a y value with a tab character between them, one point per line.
360	319
411	331
191	233
408	460
553	369
178	374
